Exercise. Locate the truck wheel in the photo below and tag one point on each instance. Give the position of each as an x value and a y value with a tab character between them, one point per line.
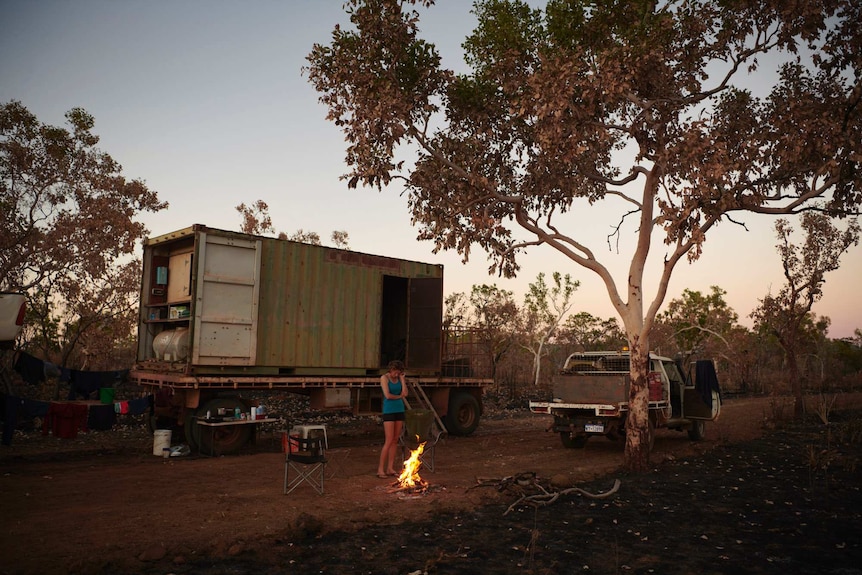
697	431
576	442
227	439
191	429
463	416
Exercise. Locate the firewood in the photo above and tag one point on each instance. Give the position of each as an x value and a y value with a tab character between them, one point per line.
527	483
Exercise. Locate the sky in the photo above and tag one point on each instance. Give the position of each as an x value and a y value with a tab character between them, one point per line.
206	102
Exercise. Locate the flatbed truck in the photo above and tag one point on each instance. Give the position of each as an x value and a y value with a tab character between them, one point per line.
224	314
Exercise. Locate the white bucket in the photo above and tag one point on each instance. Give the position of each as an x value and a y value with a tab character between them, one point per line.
161	441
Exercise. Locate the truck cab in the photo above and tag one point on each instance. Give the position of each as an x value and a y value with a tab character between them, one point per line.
591	393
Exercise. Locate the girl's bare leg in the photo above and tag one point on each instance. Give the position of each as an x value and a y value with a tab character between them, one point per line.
393	451
389	444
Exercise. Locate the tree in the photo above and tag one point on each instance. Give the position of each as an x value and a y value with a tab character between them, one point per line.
68	231
255	218
455	311
635	105
585	332
257	221
494	313
340	239
849	352
490	313
543	310
486	319
787	315
695	319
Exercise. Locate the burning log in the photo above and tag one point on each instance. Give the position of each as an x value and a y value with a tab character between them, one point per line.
409	480
531	491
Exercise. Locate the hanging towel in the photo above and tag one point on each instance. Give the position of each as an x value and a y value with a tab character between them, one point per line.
65	419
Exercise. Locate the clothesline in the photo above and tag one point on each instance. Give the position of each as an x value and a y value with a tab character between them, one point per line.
82	383
65	419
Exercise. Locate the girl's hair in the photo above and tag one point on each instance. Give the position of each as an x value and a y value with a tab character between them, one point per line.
396	364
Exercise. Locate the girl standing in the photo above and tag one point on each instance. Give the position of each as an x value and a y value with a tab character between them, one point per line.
394	391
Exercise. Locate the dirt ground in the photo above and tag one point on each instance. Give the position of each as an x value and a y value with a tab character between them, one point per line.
753	497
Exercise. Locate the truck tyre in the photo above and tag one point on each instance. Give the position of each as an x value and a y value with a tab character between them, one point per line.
227	439
463	415
576	442
697	431
191	429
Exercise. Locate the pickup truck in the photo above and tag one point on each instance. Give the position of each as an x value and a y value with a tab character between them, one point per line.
12	308
591	393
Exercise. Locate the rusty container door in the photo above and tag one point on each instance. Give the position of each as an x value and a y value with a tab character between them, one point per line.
226	300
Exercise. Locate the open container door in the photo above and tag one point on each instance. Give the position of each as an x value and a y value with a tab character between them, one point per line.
226	300
425	324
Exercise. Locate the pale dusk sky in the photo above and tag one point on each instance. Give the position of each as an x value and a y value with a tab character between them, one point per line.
206	102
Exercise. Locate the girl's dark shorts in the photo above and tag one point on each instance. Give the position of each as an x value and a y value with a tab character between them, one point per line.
397	416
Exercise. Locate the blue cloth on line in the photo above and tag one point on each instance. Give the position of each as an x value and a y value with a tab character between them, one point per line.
31	369
141	405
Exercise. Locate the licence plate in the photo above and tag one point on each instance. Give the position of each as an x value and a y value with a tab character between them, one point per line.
594	428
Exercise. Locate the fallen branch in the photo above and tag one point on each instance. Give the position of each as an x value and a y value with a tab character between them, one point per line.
546	498
522	479
526	484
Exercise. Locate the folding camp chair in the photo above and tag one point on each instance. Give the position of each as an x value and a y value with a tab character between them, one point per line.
306	457
420	428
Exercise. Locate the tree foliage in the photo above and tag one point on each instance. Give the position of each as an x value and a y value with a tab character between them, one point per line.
583	331
255	218
787	315
68	231
543	310
490	313
257	221
696	319
639	105
849	352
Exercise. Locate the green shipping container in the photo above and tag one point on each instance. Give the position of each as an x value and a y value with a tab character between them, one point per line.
220	302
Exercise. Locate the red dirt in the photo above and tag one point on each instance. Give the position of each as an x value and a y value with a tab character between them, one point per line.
107	505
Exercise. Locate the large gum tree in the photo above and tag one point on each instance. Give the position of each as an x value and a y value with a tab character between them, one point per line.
638	105
68	233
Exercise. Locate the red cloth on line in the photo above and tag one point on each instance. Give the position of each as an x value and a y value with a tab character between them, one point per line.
65	419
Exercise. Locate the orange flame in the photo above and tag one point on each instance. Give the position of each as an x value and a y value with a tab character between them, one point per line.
410	477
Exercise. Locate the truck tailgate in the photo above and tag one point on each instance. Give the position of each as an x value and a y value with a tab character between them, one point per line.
591	389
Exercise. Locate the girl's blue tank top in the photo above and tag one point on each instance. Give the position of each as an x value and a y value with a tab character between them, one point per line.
393	405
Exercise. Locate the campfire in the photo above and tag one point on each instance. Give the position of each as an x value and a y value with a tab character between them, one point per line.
410	480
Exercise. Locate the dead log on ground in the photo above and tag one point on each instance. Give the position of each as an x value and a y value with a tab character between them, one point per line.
531	492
